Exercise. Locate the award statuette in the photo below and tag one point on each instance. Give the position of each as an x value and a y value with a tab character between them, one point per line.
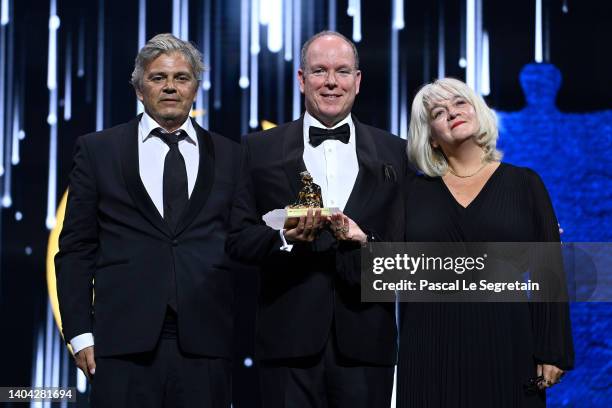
309	197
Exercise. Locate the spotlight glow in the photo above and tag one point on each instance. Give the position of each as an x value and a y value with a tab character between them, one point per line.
538	31
485	83
297	38
243	82
275	25
68	80
398	14
288	13
264	11
4	13
255	48
470	39
331	15
357	21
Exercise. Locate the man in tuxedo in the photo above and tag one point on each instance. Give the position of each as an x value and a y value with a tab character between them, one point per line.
318	345
144	289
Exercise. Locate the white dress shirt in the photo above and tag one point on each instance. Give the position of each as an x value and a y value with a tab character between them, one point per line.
151	156
333	166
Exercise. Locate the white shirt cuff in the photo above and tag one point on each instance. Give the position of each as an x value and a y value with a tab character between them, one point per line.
81	341
285	247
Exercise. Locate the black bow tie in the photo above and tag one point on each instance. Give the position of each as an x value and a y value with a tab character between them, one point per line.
317	135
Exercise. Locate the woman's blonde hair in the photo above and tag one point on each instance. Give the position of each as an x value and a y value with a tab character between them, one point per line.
421	153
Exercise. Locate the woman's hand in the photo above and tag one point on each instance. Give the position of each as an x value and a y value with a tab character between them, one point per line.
551	375
345	229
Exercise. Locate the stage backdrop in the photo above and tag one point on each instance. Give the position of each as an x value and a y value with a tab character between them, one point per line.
65	66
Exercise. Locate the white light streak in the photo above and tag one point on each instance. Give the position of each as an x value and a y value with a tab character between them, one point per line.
485	83
397	25
100	69
275	26
297	38
81	57
16	132
55	375
288	15
470	42
142	38
39	365
4	13
65	367
203	97
478	46
206	48
394	81
350	9
264	11
243	81
18	216
564	7
217	60
255	48
54	23
254	113
331	15
52	121
142	23
176	18
2	94
48	347
184	20
68	80
398	14
538	31
357	21
441	42
403	128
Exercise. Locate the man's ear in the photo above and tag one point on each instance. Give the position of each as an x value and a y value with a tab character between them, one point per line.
301	79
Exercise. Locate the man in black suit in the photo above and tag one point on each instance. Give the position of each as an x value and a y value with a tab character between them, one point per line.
145	227
317	343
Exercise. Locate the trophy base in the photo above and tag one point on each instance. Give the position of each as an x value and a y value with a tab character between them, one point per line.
294	214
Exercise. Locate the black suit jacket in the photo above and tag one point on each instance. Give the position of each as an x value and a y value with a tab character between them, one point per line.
114	240
304	291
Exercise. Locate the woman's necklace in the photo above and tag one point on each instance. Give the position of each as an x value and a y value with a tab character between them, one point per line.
467	175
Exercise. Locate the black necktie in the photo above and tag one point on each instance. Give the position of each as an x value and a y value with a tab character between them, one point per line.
175	177
317	135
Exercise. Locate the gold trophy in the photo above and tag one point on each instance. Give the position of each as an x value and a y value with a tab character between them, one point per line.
309	197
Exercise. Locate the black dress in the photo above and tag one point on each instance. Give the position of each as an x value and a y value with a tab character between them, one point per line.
480	354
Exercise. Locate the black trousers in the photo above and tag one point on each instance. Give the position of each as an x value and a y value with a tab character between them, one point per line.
165	377
327	380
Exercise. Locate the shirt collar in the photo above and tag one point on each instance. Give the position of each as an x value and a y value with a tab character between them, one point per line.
310	120
148	124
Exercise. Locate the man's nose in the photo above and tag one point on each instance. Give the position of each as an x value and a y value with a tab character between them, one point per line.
169	86
330	79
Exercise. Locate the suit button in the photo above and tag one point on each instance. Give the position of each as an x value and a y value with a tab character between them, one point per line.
174	242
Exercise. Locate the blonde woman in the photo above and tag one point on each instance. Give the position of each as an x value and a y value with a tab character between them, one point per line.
475	354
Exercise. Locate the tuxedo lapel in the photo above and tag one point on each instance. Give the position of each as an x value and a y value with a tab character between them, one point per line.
367	157
204	180
131	175
293	154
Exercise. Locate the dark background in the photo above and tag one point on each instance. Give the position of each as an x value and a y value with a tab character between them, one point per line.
578	45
